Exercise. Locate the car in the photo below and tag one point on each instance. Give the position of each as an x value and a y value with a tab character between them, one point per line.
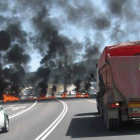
4	120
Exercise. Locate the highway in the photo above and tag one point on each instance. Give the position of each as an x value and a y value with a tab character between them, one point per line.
61	119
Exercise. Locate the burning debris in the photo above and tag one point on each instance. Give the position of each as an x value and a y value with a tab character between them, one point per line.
78	95
64	95
43	73
77	84
42	98
16	58
86	95
53	91
52	36
8	98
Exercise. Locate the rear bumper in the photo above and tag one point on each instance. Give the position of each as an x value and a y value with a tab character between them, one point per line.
135	115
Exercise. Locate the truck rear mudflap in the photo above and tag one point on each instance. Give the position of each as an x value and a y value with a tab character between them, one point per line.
134	109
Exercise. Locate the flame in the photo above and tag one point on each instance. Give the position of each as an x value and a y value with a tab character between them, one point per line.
44	97
86	95
78	95
31	98
41	98
64	95
7	98
51	97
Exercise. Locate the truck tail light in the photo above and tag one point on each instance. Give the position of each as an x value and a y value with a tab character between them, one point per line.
113	105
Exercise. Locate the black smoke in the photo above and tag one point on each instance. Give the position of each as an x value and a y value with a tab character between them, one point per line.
44	86
43	73
116	6
101	22
16	33
108	23
50	40
92	52
77	84
58	47
13	55
5	41
79	12
3	6
16	55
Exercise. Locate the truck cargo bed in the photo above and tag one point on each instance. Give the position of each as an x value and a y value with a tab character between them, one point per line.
126	75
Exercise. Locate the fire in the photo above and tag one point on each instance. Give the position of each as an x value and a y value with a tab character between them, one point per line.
78	95
64	95
41	98
86	95
32	98
44	97
51	97
7	98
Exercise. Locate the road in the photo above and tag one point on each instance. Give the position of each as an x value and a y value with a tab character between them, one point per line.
62	119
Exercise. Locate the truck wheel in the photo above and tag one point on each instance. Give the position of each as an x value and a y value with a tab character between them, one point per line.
98	109
101	112
112	124
6	127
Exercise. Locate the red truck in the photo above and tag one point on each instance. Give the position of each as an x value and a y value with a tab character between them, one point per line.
118	84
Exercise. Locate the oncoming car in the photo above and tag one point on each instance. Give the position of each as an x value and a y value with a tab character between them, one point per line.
4	120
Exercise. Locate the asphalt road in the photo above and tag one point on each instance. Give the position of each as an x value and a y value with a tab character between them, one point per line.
62	119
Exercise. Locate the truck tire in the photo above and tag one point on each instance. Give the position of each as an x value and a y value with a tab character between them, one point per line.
6	127
98	106
105	115
98	109
112	124
101	110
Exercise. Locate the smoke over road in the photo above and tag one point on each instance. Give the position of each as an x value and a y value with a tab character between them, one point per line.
5	41
63	34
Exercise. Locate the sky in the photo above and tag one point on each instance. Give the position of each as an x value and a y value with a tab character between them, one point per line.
88	24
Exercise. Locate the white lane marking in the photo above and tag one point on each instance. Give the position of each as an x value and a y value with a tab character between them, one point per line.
9	106
91	101
46	132
55	124
17	107
18	113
